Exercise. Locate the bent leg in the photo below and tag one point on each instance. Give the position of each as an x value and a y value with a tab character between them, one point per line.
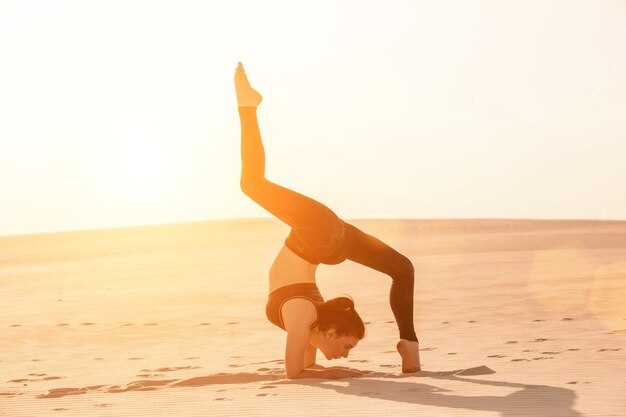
294	209
367	250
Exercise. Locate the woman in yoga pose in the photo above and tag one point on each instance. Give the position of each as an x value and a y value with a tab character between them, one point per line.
317	236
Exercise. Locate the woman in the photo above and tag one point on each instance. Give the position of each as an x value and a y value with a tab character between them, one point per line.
317	236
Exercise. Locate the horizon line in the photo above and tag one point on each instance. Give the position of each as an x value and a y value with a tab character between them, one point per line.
234	219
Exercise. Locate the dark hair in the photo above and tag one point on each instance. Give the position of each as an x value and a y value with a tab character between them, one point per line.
339	313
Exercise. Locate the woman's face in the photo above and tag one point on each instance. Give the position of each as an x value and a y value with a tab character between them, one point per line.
334	347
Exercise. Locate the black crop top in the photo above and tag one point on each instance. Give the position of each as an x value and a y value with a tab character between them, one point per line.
277	297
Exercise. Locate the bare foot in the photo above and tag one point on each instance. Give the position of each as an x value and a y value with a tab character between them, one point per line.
409	350
246	95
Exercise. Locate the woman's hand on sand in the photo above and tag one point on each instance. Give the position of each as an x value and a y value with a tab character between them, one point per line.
316	366
337	372
344	367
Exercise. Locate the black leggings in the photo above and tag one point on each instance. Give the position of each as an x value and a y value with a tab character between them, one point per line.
317	234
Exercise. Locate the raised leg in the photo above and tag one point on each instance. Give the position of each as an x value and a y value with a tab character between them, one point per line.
302	213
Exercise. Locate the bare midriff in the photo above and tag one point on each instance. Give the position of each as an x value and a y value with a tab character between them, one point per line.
289	268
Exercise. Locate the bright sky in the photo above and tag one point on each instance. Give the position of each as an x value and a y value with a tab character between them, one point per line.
116	113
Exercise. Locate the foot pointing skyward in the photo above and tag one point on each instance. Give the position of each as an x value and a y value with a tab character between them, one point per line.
246	95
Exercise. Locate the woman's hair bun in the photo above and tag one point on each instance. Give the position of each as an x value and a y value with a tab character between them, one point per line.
339	313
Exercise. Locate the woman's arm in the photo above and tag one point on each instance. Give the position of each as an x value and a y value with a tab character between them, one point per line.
309	356
298	314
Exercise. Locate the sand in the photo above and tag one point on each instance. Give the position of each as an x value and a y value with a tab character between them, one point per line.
514	317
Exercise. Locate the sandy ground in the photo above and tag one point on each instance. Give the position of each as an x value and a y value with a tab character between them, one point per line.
514	317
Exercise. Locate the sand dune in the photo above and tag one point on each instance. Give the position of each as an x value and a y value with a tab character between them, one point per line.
514	317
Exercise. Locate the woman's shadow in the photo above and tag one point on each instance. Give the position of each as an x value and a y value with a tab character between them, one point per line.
530	400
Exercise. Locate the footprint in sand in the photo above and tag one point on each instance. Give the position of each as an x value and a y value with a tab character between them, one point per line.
15	325
451	353
607	349
510	342
541	339
263	395
472	321
151	324
542	357
537	320
391	321
204	324
566	319
103	405
222	399
194	357
573	349
550	353
134	359
49	378
60	409
62	392
232	322
234	366
520	360
171	369
358	360
445	322
388	366
63	324
496	356
87	324
428	348
127	324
